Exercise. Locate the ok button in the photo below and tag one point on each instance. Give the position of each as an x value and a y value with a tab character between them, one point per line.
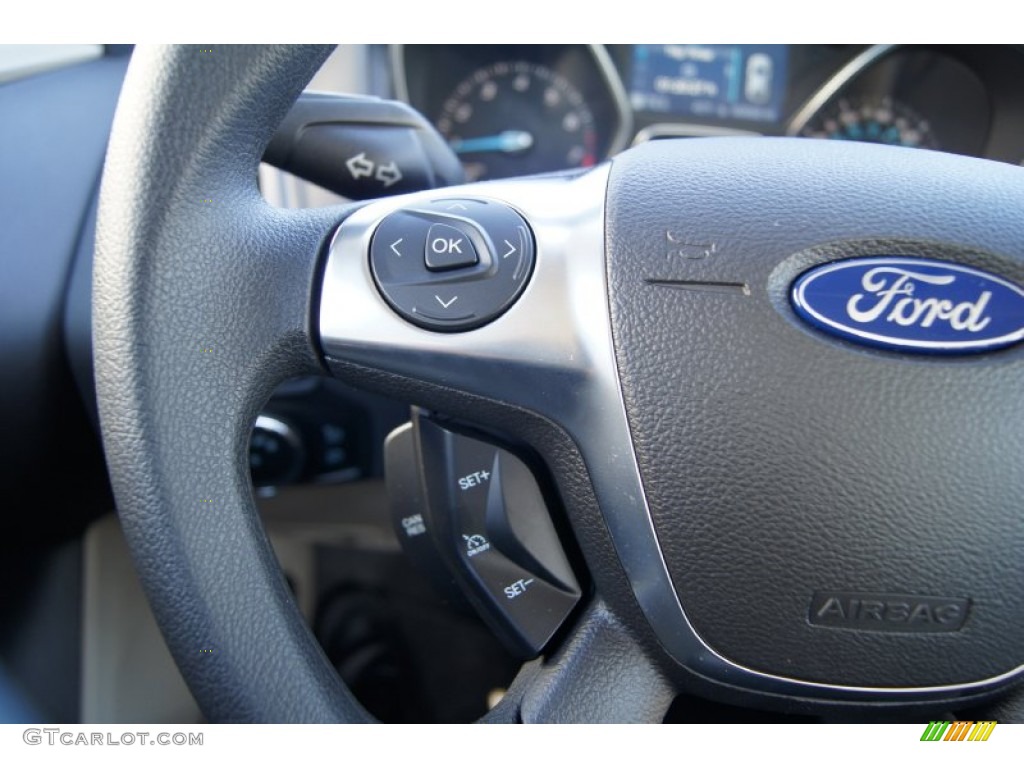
448	248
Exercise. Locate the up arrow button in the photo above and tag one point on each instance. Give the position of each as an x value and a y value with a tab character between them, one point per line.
448	247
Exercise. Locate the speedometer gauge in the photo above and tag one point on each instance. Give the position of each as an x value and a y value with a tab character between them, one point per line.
515	118
874	120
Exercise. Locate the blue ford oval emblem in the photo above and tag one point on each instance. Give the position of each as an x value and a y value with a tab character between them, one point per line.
912	305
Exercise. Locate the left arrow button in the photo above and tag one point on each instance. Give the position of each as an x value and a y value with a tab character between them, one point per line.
396	248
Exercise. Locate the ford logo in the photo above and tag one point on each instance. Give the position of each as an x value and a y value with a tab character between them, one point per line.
911	305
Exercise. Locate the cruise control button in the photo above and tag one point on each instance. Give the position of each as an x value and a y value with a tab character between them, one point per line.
448	248
487	512
405	497
532	607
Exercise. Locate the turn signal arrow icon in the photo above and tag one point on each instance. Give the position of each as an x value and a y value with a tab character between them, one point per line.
389	174
360	166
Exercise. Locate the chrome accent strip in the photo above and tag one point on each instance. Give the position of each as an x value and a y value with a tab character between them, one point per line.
396	55
846	74
686	130
617	89
552	353
279	428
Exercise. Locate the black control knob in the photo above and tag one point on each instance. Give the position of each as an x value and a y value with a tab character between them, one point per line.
454	264
276	455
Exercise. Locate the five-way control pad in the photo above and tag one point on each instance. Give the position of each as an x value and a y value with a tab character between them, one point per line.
452	265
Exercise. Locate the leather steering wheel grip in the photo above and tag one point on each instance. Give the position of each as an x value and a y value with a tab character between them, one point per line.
201	302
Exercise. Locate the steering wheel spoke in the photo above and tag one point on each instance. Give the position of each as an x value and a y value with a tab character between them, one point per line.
538	355
572	686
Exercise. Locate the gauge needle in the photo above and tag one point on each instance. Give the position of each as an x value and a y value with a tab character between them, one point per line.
506	141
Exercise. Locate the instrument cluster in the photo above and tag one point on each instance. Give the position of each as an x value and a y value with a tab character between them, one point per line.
516	110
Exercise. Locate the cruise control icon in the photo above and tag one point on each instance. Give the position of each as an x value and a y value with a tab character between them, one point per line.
476	544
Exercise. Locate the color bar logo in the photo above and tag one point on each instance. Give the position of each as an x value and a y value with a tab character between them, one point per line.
960	730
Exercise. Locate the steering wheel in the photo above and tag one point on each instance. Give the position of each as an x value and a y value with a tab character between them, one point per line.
769	513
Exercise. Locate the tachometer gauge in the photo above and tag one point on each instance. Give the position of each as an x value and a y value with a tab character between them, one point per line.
875	120
516	118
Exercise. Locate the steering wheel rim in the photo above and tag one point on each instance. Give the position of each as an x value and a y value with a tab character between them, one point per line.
157	214
204	299
202	303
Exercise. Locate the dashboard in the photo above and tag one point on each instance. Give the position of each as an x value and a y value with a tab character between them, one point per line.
523	109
